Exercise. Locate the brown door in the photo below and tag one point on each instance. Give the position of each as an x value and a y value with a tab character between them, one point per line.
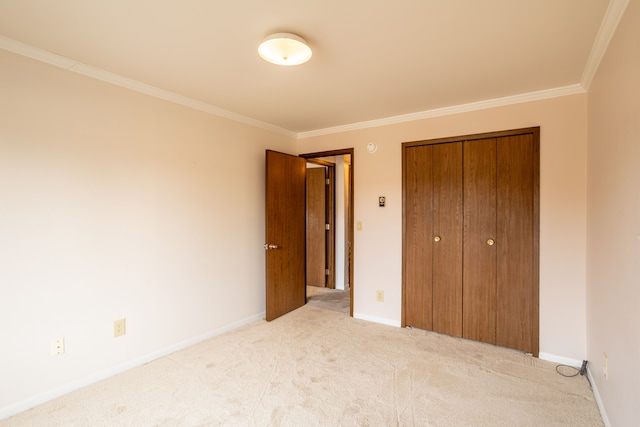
479	271
418	236
447	228
516	244
433	237
471	227
316	226
285	233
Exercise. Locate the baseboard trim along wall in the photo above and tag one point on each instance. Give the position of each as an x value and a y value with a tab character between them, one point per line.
560	359
41	398
375	319
596	394
578	363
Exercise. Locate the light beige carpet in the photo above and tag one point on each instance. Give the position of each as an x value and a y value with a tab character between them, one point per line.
331	299
318	367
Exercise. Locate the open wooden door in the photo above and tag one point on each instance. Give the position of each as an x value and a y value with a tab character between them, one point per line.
285	233
316	227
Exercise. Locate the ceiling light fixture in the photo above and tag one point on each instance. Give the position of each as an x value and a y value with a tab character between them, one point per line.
284	49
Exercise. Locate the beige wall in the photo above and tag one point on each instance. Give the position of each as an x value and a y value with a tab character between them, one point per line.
378	247
613	238
118	205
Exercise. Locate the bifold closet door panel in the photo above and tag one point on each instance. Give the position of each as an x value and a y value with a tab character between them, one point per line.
447	246
516	293
418	299
479	246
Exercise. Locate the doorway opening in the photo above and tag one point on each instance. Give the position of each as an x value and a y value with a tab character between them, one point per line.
330	215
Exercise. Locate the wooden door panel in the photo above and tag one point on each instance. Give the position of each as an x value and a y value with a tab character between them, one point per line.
479	266
418	294
316	231
447	226
515	288
500	204
285	228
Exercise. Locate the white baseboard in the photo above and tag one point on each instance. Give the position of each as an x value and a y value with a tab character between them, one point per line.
560	359
375	319
578	363
41	398
596	394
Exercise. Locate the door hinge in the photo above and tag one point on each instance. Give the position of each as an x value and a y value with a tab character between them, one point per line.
326	272
327	181
327	227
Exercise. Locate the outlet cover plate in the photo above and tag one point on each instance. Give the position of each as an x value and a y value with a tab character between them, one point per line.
119	327
57	347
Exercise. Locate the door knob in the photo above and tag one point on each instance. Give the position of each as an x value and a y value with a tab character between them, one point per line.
436	239
491	242
268	246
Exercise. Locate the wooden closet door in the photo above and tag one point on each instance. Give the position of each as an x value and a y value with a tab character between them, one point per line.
447	230
433	238
491	256
479	246
516	287
418	233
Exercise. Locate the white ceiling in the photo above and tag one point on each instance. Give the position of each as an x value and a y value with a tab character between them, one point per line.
372	59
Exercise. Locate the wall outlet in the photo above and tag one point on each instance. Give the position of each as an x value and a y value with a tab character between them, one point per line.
380	296
605	366
119	327
57	347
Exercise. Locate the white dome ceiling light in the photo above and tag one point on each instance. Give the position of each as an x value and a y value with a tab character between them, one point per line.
285	49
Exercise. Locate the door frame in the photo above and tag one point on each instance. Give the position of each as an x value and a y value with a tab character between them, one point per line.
342	152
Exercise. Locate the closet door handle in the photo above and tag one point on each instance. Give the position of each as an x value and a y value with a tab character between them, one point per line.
436	239
491	242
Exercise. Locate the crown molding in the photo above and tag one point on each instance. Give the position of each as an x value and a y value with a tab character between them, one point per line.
612	17
29	51
610	22
50	58
446	111
608	27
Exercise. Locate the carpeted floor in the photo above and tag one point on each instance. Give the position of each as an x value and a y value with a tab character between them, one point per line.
319	367
330	299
